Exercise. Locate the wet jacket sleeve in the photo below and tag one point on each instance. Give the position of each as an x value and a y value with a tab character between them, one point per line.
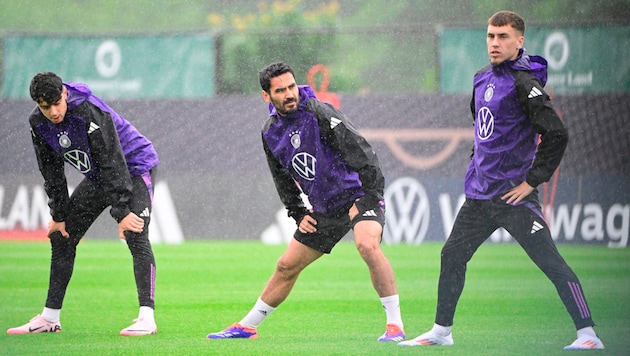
51	166
289	193
110	160
554	135
472	112
338	132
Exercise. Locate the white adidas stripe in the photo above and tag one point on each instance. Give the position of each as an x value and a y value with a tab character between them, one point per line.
536	226
93	127
145	213
334	122
369	213
534	93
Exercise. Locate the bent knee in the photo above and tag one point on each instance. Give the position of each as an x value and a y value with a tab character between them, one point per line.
287	268
369	247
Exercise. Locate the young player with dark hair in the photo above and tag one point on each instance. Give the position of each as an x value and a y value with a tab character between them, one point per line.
72	125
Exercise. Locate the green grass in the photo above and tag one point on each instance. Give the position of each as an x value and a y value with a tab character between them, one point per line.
507	308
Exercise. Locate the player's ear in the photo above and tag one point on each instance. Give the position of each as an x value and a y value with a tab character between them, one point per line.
266	96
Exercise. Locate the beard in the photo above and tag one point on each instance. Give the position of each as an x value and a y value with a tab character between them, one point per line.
280	108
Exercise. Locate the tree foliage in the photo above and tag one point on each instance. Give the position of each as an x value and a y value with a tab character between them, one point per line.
368	45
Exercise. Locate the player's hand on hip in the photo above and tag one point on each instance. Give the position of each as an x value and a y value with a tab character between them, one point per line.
518	193
54	226
131	222
307	225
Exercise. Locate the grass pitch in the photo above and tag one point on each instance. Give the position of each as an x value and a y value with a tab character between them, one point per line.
508	306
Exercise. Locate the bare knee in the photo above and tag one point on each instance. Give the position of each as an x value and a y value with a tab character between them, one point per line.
287	270
370	250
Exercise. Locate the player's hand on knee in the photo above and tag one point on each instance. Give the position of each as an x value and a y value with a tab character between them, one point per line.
57	226
131	222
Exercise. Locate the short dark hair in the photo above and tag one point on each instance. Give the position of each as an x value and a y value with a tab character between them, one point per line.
271	71
505	18
46	86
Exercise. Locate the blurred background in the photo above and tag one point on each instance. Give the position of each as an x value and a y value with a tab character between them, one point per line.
185	73
372	46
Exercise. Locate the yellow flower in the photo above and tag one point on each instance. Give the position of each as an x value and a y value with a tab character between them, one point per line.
239	22
332	8
215	19
284	6
266	19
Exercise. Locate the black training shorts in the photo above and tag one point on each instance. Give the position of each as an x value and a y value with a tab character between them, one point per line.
331	229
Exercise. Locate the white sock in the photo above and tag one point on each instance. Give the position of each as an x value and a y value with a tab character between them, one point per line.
146	313
391	305
441	330
257	315
586	332
51	315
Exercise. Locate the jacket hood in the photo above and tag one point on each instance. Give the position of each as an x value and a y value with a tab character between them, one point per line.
537	65
77	94
305	91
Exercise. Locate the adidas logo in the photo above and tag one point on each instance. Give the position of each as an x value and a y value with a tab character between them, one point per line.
334	122
536	226
534	93
145	213
93	127
370	213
